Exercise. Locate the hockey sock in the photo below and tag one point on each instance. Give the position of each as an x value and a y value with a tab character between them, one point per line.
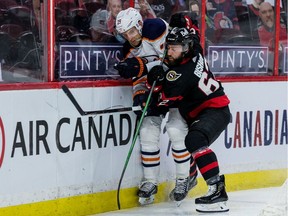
207	163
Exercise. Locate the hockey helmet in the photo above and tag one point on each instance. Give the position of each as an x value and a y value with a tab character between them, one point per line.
127	19
180	36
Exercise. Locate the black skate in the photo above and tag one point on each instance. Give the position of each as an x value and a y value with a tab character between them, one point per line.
146	192
182	188
215	200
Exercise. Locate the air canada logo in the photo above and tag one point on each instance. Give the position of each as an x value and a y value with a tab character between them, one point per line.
2	142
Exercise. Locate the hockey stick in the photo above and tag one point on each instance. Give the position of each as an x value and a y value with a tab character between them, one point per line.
95	112
133	142
136	134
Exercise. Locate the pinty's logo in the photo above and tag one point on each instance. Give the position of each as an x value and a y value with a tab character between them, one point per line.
2	143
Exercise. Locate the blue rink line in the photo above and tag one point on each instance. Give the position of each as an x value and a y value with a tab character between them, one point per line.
241	203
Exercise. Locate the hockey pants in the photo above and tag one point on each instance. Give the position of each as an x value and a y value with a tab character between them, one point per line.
150	152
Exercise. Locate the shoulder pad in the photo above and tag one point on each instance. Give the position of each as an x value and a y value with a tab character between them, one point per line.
153	28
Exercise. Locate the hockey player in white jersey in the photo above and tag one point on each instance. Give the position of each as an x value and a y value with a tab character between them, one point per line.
143	49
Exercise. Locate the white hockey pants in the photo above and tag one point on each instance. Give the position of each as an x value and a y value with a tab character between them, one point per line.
150	151
177	130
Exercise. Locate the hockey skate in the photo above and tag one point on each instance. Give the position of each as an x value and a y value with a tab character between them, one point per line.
146	193
215	200
181	189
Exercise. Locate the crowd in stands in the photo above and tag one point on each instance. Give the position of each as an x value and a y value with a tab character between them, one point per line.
227	21
98	16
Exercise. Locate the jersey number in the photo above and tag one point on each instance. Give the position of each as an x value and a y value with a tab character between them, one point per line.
209	85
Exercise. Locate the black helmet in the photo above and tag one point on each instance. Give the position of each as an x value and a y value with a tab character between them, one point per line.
179	36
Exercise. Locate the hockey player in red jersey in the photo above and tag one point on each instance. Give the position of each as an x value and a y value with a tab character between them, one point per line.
189	85
142	50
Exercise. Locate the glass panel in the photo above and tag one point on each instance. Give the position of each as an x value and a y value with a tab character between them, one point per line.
221	21
21	41
87	45
241	36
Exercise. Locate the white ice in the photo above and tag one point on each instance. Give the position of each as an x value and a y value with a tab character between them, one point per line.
241	203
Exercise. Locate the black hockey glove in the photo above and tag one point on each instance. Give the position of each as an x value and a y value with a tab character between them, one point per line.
140	100
157	74
184	19
131	67
152	109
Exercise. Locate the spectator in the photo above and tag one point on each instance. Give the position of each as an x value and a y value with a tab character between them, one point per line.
218	9
221	20
98	27
194	7
113	7
253	11
145	10
266	31
266	27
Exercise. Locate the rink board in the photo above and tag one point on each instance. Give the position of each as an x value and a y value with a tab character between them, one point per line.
55	162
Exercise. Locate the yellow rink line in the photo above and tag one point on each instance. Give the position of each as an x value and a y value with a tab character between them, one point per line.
106	201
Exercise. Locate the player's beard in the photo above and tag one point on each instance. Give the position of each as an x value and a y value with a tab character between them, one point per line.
174	61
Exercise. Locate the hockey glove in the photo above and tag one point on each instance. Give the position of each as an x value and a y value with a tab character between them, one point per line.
140	100
184	19
131	67
157	74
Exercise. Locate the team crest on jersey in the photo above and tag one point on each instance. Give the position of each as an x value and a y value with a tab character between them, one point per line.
172	76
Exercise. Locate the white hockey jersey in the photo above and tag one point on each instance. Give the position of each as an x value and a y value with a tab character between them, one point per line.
152	48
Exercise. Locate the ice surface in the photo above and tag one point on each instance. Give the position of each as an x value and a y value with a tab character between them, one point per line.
241	203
